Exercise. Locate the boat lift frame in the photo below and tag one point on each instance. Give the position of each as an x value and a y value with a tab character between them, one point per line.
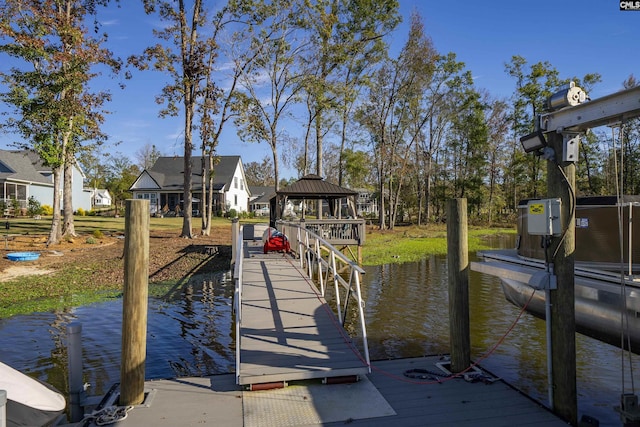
569	122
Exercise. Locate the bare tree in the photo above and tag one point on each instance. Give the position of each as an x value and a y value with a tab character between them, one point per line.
147	156
277	45
184	57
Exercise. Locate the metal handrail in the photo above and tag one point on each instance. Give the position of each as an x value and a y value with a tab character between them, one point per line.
317	253
237	294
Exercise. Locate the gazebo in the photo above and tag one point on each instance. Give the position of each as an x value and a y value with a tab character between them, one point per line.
338	227
313	187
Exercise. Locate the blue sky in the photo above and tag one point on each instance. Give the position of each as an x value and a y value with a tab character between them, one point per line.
576	37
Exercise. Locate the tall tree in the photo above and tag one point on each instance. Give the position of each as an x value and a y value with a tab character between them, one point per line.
147	155
260	174
345	35
497	151
219	102
184	57
277	46
121	175
54	109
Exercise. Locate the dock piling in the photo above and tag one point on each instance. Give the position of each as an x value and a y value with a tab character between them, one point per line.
134	312
76	384
458	265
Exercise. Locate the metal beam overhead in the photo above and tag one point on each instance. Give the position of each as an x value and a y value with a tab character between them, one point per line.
608	110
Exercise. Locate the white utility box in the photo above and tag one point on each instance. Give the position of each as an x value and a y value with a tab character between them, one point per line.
543	217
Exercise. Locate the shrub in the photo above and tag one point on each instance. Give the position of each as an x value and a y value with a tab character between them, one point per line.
91	240
98	234
47	210
232	213
34	208
81	212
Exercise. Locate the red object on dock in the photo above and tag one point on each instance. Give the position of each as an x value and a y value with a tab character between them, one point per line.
275	241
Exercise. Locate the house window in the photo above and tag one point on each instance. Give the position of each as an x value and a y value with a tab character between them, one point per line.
241	184
15	191
149	196
235	200
235	182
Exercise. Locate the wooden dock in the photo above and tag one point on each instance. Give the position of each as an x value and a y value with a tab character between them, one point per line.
287	331
288	335
217	400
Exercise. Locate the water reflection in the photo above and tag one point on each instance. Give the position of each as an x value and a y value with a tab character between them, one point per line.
407	316
190	332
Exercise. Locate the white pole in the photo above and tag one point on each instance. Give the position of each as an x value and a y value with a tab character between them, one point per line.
547	312
3	408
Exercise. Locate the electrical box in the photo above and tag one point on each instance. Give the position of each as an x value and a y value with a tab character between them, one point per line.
543	217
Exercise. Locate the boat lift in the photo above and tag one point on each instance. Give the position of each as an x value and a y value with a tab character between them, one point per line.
570	115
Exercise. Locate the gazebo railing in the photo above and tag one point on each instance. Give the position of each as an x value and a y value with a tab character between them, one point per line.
336	231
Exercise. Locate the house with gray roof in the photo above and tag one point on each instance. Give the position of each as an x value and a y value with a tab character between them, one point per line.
23	175
163	185
260	199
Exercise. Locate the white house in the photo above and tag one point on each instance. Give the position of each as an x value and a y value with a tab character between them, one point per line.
163	185
101	198
22	175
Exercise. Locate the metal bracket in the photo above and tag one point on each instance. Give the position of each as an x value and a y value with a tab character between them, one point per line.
543	280
571	144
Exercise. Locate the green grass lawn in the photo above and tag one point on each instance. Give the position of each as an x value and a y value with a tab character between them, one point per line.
87	224
412	243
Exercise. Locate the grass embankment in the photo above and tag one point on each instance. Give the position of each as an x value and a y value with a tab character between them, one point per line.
89	273
412	243
80	282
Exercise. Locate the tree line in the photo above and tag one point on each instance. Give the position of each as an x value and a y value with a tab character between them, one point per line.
412	127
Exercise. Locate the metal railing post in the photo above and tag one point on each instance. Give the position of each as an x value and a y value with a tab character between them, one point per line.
235	230
3	408
302	227
365	342
237	296
335	286
319	264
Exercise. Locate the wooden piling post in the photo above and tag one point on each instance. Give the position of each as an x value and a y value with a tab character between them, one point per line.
74	365
563	325
134	312
458	266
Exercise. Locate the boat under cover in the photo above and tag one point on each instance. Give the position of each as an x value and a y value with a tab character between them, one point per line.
597	233
29	401
602	266
600	307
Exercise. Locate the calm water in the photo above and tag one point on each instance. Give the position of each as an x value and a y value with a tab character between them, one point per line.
190	333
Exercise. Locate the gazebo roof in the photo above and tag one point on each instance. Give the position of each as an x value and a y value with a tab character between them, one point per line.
314	187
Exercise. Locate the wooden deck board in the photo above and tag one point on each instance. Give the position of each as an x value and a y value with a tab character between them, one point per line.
217	400
453	402
287	331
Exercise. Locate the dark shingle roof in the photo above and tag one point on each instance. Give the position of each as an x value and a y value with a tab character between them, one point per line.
168	172
19	165
263	194
314	187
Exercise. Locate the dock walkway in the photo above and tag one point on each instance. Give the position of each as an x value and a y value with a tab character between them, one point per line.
287	331
384	398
